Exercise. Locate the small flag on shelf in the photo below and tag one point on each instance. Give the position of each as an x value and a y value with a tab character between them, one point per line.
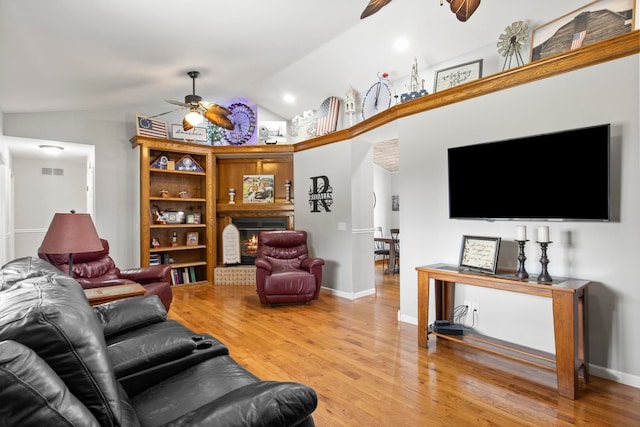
151	127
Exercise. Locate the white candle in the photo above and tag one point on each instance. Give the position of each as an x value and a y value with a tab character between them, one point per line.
543	234
521	233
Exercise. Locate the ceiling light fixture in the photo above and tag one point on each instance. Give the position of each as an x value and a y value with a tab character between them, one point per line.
289	98
401	44
194	117
51	149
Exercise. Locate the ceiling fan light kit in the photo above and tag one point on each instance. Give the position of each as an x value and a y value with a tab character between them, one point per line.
199	109
193	117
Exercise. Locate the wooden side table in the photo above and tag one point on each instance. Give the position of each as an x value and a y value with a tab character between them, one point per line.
111	293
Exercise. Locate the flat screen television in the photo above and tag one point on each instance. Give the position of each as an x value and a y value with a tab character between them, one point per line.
561	176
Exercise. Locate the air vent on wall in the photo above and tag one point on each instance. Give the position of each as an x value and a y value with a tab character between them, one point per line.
52	171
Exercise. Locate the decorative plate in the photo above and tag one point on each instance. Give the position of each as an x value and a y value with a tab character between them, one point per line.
244	124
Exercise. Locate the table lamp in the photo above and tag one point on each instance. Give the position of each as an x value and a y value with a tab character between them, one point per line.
71	233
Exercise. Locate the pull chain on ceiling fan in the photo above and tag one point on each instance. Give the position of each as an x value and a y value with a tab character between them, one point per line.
198	109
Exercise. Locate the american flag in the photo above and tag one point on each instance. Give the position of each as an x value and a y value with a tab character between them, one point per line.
151	127
328	116
578	38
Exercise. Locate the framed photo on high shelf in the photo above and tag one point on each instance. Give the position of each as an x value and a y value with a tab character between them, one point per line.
598	20
460	74
479	253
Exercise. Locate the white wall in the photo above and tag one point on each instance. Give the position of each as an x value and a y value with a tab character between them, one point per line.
343	236
38	197
6	245
605	253
382	180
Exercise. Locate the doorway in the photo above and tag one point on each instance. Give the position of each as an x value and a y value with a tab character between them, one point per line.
43	185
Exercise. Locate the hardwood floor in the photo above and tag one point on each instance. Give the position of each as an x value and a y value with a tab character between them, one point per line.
368	370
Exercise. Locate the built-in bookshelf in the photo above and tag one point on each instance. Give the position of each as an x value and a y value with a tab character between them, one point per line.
177	208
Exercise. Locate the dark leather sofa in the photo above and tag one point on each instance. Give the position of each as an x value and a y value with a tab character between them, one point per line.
65	363
97	269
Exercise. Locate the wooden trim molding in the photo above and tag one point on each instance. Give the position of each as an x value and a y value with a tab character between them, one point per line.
596	53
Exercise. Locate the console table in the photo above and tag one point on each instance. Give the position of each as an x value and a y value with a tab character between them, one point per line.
569	300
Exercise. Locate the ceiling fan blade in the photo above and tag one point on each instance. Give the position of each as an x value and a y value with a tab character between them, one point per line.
180	103
464	8
215	108
373	7
166	112
219	120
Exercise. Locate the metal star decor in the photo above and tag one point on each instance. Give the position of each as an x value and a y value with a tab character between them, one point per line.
509	43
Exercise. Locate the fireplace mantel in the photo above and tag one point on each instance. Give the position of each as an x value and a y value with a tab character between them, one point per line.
270	208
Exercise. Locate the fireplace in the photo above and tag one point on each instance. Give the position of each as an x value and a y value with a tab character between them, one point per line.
249	228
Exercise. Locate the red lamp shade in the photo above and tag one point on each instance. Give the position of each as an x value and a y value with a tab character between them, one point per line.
71	233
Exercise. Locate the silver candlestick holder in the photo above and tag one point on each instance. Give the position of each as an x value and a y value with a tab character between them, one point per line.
522	272
544	260
232	196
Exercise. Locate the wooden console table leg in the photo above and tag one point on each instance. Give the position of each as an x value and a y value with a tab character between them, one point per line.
423	308
583	335
443	295
565	327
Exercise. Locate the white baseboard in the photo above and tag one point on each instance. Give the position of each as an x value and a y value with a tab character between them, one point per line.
351	295
613	375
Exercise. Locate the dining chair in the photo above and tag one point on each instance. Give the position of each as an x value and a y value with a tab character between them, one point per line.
380	248
395	236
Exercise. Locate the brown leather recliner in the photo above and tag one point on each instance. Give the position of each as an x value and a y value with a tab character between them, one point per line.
97	269
284	271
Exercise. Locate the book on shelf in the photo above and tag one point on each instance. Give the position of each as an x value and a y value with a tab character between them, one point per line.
183	275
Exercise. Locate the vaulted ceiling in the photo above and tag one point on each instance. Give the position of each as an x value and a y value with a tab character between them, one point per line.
129	57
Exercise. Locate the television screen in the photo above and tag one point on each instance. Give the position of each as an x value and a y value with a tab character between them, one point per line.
555	176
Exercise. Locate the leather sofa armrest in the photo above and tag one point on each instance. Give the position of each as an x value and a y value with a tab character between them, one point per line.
263	263
144	352
123	315
263	403
153	273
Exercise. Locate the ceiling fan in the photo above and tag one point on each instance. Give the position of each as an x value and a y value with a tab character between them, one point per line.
199	109
462	8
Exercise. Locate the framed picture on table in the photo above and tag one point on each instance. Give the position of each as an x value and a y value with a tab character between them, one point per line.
479	253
